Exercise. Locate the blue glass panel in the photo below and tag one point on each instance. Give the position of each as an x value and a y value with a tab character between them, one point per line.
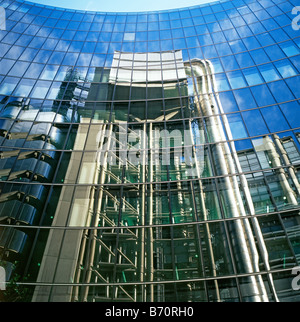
229	63
49	72
265	39
280	91
195	53
238	21
24	88
250	18
244	60
8	85
262	95
244	31
291	111
279	35
274	119
255	123
56	58
29	54
98	60
41	89
259	56
269	72
129	47
14	52
252	76
179	43
270	24
285	68
141	46
231	34
296	61
165	34
209	52
187	22
297	41
237	46
202	29
289	48
34	70
237	127
217	65
244	99
222	83
177	33
257	28
251	43
228	102
274	52
24	40
226	24
294	85
218	37
192	42
236	79
213	27
223	49
205	40
75	46
164	25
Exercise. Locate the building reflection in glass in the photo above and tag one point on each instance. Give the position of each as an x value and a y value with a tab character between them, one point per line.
137	178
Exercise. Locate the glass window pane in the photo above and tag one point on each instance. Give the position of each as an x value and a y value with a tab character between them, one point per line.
41	89
259	56
244	60
34	70
291	111
24	88
252	76
229	63
293	84
222	83
19	69
274	119
244	99
228	102
237	127
285	68
281	92
8	85
269	72
255	123
49	72
262	95
274	52
236	79
289	48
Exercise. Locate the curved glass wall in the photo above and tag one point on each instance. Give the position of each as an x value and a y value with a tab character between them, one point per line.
150	157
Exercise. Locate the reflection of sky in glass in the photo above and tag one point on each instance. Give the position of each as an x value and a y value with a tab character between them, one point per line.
274	119
237	127
196	32
252	76
154	70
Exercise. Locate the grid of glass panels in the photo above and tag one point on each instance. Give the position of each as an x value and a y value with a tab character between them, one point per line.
150	156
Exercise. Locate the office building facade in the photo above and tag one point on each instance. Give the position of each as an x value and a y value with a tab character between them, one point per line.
150	156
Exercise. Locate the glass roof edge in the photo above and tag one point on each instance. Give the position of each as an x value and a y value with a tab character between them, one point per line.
208	3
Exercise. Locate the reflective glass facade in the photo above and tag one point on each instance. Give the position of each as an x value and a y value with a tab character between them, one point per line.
150	157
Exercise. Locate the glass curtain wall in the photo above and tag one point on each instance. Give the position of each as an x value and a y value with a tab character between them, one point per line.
152	156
